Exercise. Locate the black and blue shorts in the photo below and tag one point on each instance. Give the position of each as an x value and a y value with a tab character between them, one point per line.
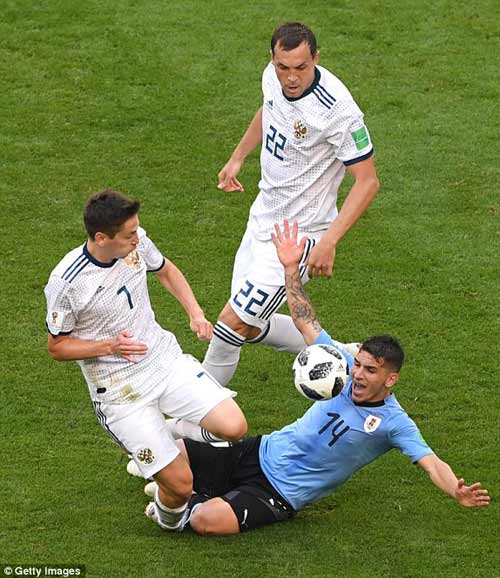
233	473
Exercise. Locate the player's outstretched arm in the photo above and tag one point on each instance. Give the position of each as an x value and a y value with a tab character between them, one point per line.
176	284
67	348
443	477
252	137
363	191
289	253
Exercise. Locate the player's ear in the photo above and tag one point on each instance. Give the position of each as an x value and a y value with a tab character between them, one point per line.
99	238
391	379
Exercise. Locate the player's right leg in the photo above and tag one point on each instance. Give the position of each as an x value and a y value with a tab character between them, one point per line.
139	427
174	485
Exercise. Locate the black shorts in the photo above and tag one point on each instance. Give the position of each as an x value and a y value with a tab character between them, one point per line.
233	473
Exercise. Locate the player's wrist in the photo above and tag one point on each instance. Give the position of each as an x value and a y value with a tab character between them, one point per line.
238	157
196	315
109	346
291	269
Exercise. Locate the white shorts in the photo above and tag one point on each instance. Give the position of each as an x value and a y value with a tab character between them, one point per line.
187	392
258	284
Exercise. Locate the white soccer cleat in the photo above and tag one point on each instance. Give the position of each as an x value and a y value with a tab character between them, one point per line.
133	469
150	489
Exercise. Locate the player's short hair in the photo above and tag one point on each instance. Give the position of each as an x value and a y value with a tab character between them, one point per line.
293	34
106	211
385	347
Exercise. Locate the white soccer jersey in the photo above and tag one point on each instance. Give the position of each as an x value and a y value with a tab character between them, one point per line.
306	144
96	301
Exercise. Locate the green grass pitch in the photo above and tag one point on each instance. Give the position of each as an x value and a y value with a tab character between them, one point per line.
150	97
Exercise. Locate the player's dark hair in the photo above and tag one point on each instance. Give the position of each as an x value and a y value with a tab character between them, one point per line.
106	211
293	34
385	347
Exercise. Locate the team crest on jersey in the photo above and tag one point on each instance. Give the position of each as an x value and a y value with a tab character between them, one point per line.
145	456
133	260
299	129
371	423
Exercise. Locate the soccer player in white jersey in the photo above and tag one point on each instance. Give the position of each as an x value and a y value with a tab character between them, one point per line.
311	132
268	478
99	314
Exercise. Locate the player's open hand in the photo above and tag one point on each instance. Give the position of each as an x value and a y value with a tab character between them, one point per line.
289	250
471	496
320	262
227	177
202	327
126	347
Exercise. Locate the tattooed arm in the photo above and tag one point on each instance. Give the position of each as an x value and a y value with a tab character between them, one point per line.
289	253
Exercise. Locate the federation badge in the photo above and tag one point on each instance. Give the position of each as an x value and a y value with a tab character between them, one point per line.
133	260
371	423
299	129
145	456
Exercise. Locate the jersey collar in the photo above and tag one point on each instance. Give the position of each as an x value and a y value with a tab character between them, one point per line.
93	260
315	82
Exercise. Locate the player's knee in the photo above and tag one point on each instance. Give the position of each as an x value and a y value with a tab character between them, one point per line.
200	522
229	318
234	427
208	521
235	432
226	421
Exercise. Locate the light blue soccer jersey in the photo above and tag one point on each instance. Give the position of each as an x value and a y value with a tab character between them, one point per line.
315	455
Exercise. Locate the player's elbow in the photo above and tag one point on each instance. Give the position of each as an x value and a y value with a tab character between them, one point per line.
373	185
54	349
55	354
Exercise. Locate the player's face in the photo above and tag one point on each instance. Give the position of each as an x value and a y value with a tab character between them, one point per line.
125	240
295	69
371	378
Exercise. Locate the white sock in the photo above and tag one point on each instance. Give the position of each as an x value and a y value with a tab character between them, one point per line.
181	428
223	354
168	518
281	335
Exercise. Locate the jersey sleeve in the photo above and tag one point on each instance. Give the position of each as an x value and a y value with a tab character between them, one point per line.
153	258
351	137
407	438
61	316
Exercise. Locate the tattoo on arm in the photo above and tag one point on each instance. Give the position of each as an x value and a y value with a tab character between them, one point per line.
299	303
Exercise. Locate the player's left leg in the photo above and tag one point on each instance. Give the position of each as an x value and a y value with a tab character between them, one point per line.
249	316
226	420
233	494
214	517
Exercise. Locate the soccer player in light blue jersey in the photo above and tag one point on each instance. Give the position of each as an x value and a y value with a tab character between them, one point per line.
269	478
